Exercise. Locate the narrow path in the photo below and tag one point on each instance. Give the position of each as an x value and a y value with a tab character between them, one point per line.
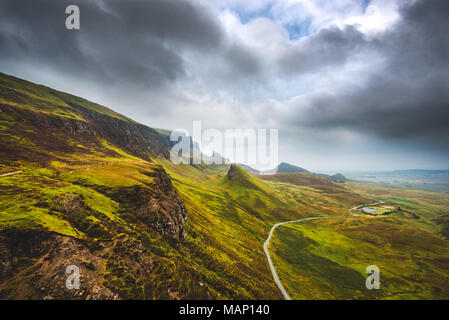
10	173
267	242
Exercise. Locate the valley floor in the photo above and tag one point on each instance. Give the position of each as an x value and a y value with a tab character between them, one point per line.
327	259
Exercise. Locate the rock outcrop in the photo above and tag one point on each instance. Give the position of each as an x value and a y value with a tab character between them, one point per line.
157	206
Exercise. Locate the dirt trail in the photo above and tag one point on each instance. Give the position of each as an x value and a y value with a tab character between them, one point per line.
10	173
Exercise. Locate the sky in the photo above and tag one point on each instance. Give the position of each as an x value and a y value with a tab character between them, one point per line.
349	84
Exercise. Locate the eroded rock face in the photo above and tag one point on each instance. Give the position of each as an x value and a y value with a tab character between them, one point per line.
157	206
164	210
33	266
135	138
234	172
45	131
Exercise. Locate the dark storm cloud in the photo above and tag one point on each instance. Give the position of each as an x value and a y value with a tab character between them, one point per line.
168	62
137	41
409	96
328	47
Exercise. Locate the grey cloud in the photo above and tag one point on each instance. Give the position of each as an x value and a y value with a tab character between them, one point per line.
142	54
141	44
328	47
243	61
408	98
137	41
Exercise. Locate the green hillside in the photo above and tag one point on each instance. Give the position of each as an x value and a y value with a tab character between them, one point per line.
83	185
327	259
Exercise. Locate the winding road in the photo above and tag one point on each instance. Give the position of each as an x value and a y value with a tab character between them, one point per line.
267	242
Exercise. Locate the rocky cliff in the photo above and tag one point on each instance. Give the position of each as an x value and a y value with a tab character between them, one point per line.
88	195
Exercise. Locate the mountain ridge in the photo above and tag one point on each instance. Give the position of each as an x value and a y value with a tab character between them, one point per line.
98	191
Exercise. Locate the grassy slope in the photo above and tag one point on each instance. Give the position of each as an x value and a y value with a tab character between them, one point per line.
227	220
27	95
35	200
232	218
57	166
327	259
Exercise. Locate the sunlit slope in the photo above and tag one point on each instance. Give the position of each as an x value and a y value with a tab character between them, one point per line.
27	95
304	179
233	214
224	233
86	193
326	259
114	215
95	189
321	196
79	182
45	121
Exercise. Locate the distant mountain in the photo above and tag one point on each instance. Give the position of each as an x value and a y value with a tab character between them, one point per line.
286	167
248	168
339	178
217	157
304	179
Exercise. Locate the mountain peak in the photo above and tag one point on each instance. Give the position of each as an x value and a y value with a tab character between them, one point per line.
236	173
339	178
286	167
